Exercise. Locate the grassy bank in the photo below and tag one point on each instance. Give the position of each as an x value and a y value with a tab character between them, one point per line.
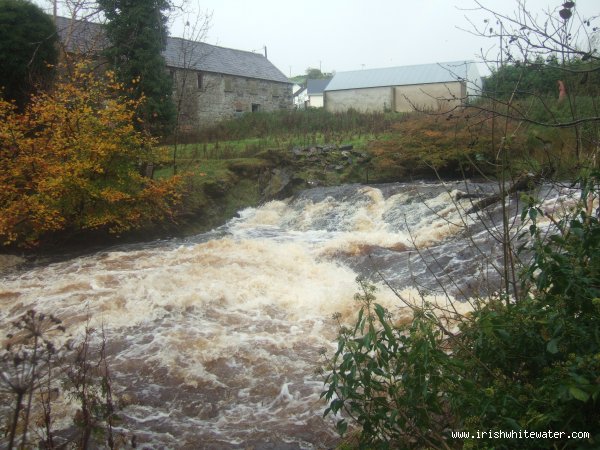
262	156
259	157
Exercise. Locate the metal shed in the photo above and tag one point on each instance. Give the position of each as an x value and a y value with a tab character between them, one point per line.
426	86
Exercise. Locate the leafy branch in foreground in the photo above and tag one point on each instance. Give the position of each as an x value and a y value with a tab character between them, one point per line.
388	378
528	365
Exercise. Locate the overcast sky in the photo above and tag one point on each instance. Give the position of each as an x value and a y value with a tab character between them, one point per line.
341	35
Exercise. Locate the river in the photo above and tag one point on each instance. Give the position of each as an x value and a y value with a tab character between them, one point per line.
214	339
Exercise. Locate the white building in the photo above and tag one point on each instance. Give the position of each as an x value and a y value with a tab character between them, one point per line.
300	95
315	90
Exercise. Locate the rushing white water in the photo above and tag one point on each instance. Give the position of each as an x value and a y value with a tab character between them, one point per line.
214	340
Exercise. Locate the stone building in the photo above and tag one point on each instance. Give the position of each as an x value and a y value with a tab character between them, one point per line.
431	87
213	83
210	83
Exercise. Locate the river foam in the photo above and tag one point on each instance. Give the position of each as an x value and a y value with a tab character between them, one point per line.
213	340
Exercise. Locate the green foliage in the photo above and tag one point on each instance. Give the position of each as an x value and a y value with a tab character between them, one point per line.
316	74
28	49
540	78
529	365
388	378
138	33
542	354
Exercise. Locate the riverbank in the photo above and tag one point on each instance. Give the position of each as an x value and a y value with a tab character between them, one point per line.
221	177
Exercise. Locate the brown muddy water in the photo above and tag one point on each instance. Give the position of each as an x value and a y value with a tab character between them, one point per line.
214	340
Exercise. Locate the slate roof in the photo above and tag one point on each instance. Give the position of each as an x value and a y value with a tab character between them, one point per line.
88	37
182	53
404	75
317	86
80	36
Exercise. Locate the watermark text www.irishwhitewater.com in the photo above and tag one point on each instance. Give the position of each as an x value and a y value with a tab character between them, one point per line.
521	434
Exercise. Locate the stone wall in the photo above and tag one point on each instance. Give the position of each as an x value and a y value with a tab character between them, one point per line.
205	98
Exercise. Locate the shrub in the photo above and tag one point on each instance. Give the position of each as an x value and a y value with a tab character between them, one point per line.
71	162
390	379
37	373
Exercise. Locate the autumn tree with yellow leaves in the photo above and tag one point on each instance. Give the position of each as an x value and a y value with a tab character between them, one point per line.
70	162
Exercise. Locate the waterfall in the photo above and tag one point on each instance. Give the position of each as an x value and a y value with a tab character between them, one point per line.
214	339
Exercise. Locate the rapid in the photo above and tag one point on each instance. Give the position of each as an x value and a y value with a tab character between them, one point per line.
214	339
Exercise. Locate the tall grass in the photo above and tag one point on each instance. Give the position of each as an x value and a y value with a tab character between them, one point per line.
297	123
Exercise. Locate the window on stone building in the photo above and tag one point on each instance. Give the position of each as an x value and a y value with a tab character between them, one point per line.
252	87
200	80
255	107
228	85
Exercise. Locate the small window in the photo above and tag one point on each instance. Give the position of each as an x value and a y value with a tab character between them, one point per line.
252	87
255	107
200	79
228	85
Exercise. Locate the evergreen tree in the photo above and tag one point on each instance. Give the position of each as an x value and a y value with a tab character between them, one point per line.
28	49
138	33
